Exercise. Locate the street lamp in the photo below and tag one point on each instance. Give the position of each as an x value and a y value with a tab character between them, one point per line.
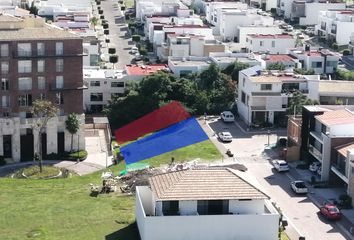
268	132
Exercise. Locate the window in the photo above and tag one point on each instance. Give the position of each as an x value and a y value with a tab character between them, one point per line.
59	81
273	44
6	114
243	81
24	49
59	98
93	59
323	128
4	84
96	97
170	208
212	207
261	43
59	65
24	66
59	48
243	97
95	83
25	100
40	49
117	84
41	96
41	82
4	67
316	64
4	50
266	87
5	101
25	83
331	63
40	66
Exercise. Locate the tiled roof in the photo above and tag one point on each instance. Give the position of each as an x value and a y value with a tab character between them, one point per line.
144	70
279	58
337	117
344	148
203	184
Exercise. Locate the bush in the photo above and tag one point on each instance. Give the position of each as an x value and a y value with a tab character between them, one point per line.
107	40
105	25
81	155
67	156
2	161
106	31
100	11
143	51
282	142
136	38
111	50
345	201
346	52
335	46
113	59
101	17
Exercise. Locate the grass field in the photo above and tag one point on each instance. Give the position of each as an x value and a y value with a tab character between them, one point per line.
63	209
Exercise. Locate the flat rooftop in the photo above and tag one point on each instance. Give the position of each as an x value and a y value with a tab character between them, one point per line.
231	59
271	36
190	62
102	73
145	69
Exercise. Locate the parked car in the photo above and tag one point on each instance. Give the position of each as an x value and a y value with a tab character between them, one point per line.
138	57
300	35
134	50
330	211
281	165
314	166
289	28
227	116
225	136
298	187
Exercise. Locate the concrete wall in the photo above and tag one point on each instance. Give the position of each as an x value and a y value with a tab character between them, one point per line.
246	207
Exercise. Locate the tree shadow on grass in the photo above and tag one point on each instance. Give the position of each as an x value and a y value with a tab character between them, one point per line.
130	232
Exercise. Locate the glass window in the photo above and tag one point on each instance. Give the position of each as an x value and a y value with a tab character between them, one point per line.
96	97
59	98
93	59
41	96
59	50
4	67
117	84
261	43
4	50
25	100
243	97
25	83
59	65
40	49
41	82
316	64
59	82
5	101
24	66
40	66
4	84
24	49
95	83
266	86
273	43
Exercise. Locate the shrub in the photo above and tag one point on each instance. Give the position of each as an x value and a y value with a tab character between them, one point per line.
282	142
81	155
136	38
335	46
106	31
107	40
122	8
143	51
111	50
346	52
2	161
113	59
100	11
105	25
101	17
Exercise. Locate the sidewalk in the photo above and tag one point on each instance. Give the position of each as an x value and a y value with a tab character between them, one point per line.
320	195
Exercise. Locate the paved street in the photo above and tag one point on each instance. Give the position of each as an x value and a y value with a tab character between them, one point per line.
249	150
118	32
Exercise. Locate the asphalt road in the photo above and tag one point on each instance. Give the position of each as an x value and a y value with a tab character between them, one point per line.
300	211
118	32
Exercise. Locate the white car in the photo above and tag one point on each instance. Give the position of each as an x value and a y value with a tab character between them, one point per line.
314	166
227	116
134	50
225	136
138	57
281	166
298	187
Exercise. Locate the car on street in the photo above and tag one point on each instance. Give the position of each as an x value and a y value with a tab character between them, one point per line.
298	187
138	57
281	166
227	116
300	36
225	136
134	50
314	166
330	211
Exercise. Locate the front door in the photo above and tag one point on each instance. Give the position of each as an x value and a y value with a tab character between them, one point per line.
7	146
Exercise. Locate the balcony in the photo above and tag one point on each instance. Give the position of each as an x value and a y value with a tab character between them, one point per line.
318	136
315	152
340	172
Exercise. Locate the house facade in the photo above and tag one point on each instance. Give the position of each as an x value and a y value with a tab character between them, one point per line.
224	205
271	44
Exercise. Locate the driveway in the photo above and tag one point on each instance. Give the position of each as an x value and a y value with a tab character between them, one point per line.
118	32
249	150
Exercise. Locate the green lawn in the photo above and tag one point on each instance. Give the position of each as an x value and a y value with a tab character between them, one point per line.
63	209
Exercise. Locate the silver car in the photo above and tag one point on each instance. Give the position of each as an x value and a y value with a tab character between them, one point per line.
225	136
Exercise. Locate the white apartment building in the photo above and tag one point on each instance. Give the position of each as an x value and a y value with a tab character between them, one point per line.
244	31
336	25
182	66
188	45
101	86
265	5
270	43
321	61
218	203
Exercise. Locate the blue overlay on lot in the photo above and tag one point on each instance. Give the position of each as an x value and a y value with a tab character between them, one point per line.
182	134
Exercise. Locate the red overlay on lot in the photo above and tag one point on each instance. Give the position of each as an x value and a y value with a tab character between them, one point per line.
163	117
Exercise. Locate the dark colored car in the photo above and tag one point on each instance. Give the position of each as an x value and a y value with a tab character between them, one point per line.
330	211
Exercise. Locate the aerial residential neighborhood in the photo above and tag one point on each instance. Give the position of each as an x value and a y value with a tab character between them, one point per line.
177	119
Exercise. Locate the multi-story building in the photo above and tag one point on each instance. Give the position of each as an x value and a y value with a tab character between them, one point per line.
320	60
336	25
351	43
245	30
217	203
38	61
270	43
224	59
182	66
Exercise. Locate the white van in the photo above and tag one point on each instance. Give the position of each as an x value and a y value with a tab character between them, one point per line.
227	116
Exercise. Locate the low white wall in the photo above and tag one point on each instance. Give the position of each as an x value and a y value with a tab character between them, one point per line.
246	207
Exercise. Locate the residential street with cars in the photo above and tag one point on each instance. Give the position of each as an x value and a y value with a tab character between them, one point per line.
301	210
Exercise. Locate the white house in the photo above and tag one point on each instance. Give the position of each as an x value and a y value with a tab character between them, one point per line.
336	25
270	43
182	66
206	204
321	61
138	72
265	5
244	31
288	61
224	59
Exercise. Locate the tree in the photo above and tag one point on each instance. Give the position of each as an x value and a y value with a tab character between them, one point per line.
72	125
298	101
208	78
234	69
136	38
276	66
42	111
94	21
